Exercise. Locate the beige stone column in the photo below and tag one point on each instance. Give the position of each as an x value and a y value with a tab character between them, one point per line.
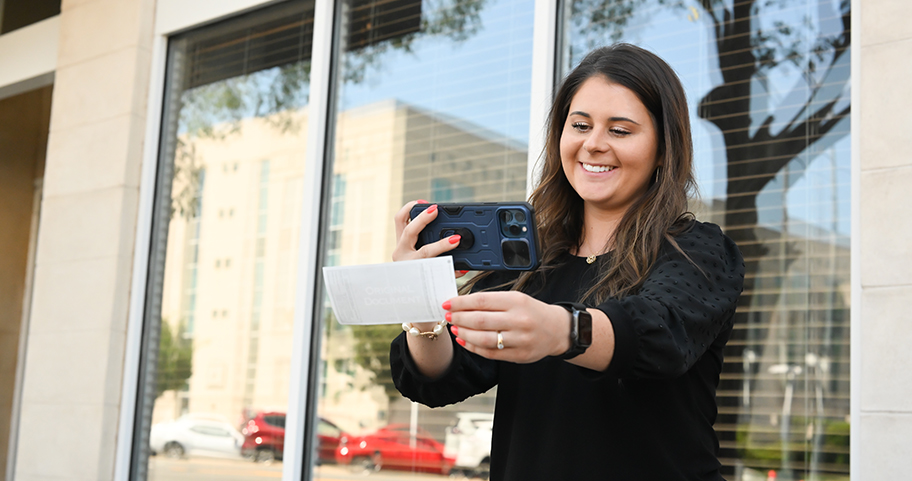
883	430
74	362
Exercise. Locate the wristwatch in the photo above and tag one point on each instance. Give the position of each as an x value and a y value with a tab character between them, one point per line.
580	329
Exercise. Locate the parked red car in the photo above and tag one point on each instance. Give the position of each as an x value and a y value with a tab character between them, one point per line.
264	438
391	448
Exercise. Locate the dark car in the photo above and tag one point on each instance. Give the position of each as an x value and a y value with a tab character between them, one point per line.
393	447
264	438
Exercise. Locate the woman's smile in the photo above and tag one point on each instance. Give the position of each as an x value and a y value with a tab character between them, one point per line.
597	168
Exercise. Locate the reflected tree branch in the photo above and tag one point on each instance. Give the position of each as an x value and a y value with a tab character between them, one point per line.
216	111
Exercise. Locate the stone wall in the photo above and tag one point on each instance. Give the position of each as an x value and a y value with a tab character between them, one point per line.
75	352
883	431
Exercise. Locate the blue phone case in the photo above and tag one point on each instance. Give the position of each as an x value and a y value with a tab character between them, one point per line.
495	235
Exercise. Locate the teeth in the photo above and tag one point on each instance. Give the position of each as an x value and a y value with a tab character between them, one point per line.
597	168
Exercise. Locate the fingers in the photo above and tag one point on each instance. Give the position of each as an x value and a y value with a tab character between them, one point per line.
516	345
482	320
413	227
401	219
528	328
407	229
437	248
407	235
487	301
461	273
473	339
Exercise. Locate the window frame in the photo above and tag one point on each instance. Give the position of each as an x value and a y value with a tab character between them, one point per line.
174	17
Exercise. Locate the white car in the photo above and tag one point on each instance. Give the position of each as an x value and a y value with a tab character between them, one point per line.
196	436
469	441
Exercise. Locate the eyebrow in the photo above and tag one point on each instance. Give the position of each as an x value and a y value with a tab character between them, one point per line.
613	119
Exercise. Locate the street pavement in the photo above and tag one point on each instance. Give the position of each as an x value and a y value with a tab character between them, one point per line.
205	469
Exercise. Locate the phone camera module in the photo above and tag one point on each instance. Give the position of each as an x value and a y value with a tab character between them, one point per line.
513	222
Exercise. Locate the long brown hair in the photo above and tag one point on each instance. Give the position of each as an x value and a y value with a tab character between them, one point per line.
659	215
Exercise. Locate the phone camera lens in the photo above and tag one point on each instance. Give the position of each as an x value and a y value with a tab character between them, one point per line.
513	222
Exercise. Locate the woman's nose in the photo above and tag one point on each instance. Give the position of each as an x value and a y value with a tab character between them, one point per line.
596	142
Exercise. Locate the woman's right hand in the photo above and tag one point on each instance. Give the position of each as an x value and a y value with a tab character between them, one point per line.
432	357
407	235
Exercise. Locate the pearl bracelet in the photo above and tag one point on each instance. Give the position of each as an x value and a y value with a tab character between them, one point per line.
432	335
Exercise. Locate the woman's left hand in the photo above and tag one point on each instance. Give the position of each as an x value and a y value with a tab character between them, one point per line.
529	329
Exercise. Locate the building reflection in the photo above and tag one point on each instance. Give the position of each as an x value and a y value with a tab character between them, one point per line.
232	252
784	389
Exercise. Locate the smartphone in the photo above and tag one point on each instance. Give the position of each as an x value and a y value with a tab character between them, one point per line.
495	235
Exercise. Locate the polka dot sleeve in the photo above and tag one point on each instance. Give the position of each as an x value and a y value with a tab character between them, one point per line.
681	309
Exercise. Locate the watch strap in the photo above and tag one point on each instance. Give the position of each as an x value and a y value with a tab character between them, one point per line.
576	310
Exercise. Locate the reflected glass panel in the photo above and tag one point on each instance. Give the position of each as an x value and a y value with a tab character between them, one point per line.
768	84
219	318
432	102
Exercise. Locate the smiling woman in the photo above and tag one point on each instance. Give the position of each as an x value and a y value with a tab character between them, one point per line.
601	364
608	152
622	107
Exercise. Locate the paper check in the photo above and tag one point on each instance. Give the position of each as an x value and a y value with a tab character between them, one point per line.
391	293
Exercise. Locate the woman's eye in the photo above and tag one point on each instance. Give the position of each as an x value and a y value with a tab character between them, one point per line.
580	127
620	132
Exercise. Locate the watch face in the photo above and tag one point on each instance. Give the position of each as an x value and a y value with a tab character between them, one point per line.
584	326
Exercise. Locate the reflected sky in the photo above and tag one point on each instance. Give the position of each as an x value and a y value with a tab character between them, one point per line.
484	79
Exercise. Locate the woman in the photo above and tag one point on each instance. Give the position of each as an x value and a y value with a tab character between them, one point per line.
660	289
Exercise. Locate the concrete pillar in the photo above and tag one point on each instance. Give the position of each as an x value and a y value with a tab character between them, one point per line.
74	362
883	431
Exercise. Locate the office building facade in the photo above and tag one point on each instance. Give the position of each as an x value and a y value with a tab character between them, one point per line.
176	174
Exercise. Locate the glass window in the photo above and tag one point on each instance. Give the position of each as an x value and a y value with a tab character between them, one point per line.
15	14
277	421
768	84
233	140
431	102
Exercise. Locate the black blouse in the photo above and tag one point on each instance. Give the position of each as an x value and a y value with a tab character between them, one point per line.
649	415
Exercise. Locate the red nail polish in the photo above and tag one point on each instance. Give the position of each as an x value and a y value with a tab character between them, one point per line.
454	239
446	305
455	330
449	317
422	201
431	209
463	272
460	342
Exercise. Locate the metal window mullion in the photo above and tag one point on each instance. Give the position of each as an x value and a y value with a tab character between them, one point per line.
544	54
142	254
859	463
308	247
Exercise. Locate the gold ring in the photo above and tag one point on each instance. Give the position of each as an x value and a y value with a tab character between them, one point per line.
499	340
